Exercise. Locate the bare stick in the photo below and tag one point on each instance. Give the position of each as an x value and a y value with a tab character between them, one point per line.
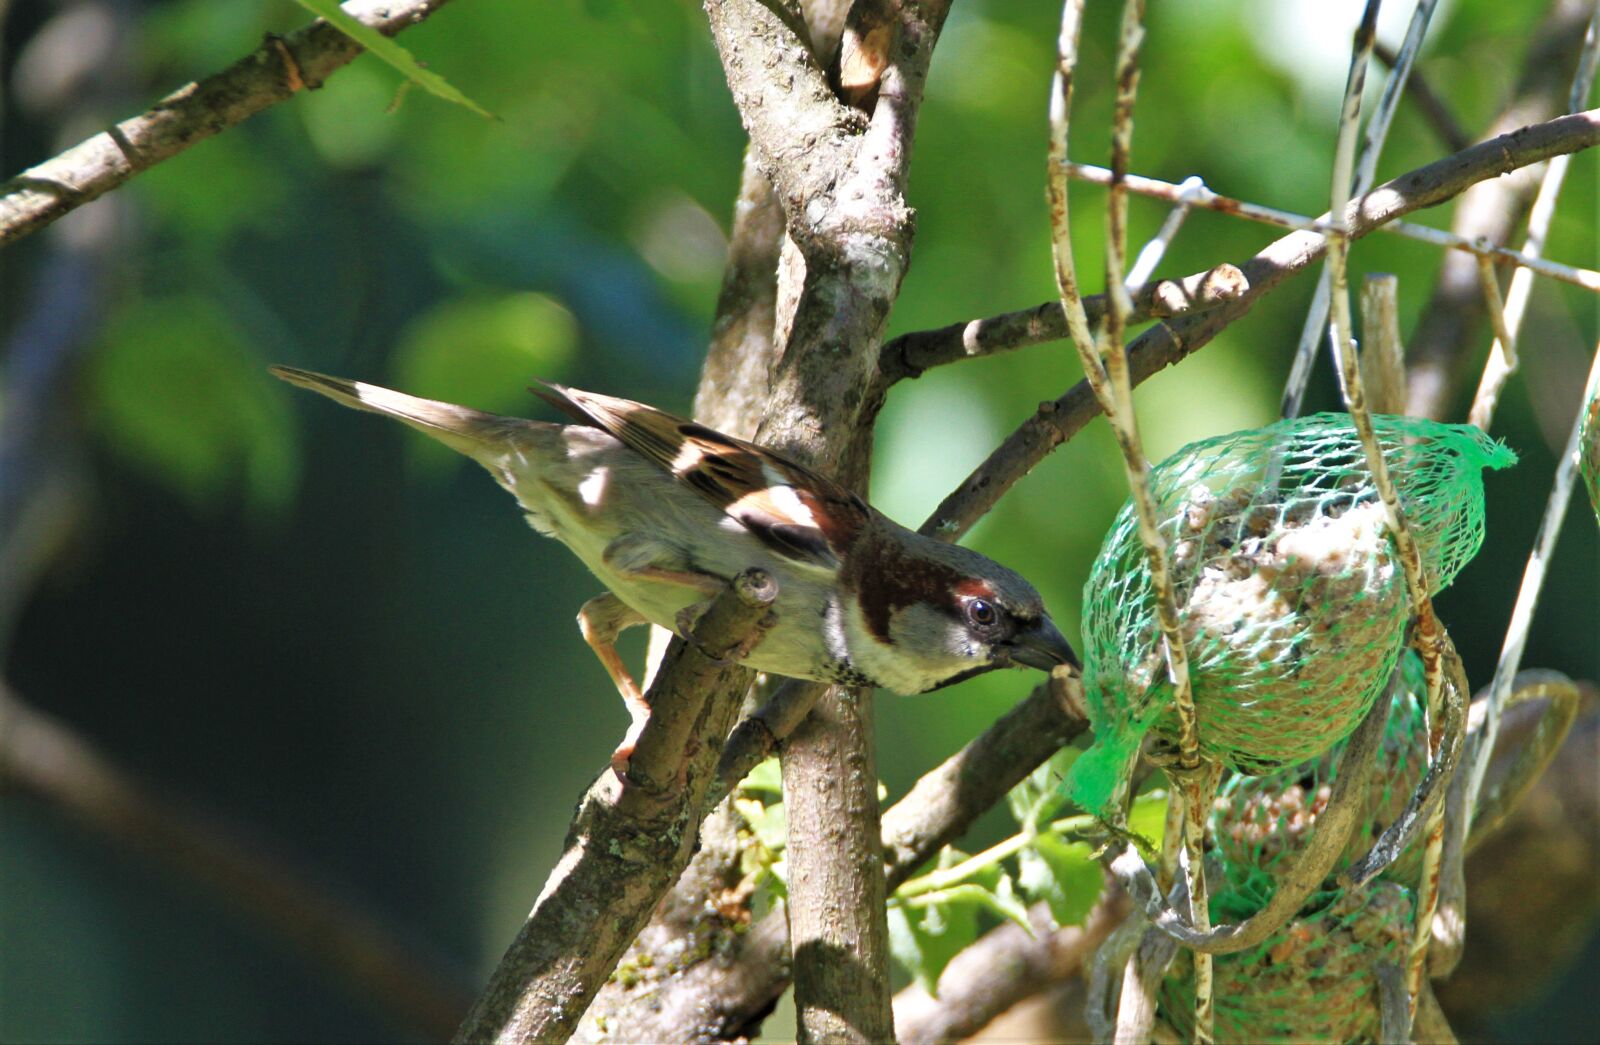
271	74
1443	342
1060	226
1059	419
1308	872
1434	110
1365	169
1533	575
1198	787
1383	359
1507	317
1004	966
1119	405
1428	635
914	354
42	757
631	837
1150	255
1588	279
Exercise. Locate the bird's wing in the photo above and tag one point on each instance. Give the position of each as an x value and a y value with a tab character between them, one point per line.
795	511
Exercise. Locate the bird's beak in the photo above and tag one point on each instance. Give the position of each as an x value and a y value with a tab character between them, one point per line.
1041	645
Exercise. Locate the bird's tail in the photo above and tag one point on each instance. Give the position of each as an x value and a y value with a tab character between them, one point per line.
467	431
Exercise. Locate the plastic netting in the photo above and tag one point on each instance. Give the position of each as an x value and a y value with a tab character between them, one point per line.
1292	602
1261	823
1313	981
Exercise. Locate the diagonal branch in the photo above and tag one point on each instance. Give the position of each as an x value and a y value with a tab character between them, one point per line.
734	979
631	837
271	74
1448	328
914	354
1060	419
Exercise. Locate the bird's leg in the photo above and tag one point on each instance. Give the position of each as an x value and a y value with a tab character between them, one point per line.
601	620
646	558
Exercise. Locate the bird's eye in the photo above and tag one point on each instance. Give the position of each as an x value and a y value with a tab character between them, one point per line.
982	614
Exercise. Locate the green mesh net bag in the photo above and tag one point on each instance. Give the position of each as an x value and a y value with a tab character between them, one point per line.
1292	602
1313	981
1260	824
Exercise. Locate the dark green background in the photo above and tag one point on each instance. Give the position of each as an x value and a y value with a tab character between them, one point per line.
315	625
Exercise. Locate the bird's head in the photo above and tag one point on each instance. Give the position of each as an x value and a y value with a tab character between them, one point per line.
928	614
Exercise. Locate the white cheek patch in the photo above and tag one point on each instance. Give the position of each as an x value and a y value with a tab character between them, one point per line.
593	487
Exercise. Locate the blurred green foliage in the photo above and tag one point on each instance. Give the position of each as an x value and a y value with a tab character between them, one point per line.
269	614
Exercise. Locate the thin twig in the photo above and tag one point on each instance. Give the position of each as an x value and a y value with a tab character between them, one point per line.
1383	360
1434	110
1060	419
1066	272
1428	633
1150	255
1114	390
1588	279
1365	170
1508	317
914	354
193	113
1198	788
1533	576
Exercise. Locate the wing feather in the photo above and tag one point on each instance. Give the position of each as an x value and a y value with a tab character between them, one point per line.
795	511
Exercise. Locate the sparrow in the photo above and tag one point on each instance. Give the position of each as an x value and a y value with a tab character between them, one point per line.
666	512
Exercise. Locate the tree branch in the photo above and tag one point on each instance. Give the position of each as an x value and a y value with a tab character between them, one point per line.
271	74
912	355
803	135
841	181
733	978
708	910
1004	966
1432	107
1491	211
631	837
1060	419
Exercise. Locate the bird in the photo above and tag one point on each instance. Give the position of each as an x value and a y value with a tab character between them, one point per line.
666	512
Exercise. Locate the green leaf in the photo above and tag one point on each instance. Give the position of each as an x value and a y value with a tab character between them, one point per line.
1037	797
1063	874
1148	816
392	53
769	823
1008	904
766	778
923	939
